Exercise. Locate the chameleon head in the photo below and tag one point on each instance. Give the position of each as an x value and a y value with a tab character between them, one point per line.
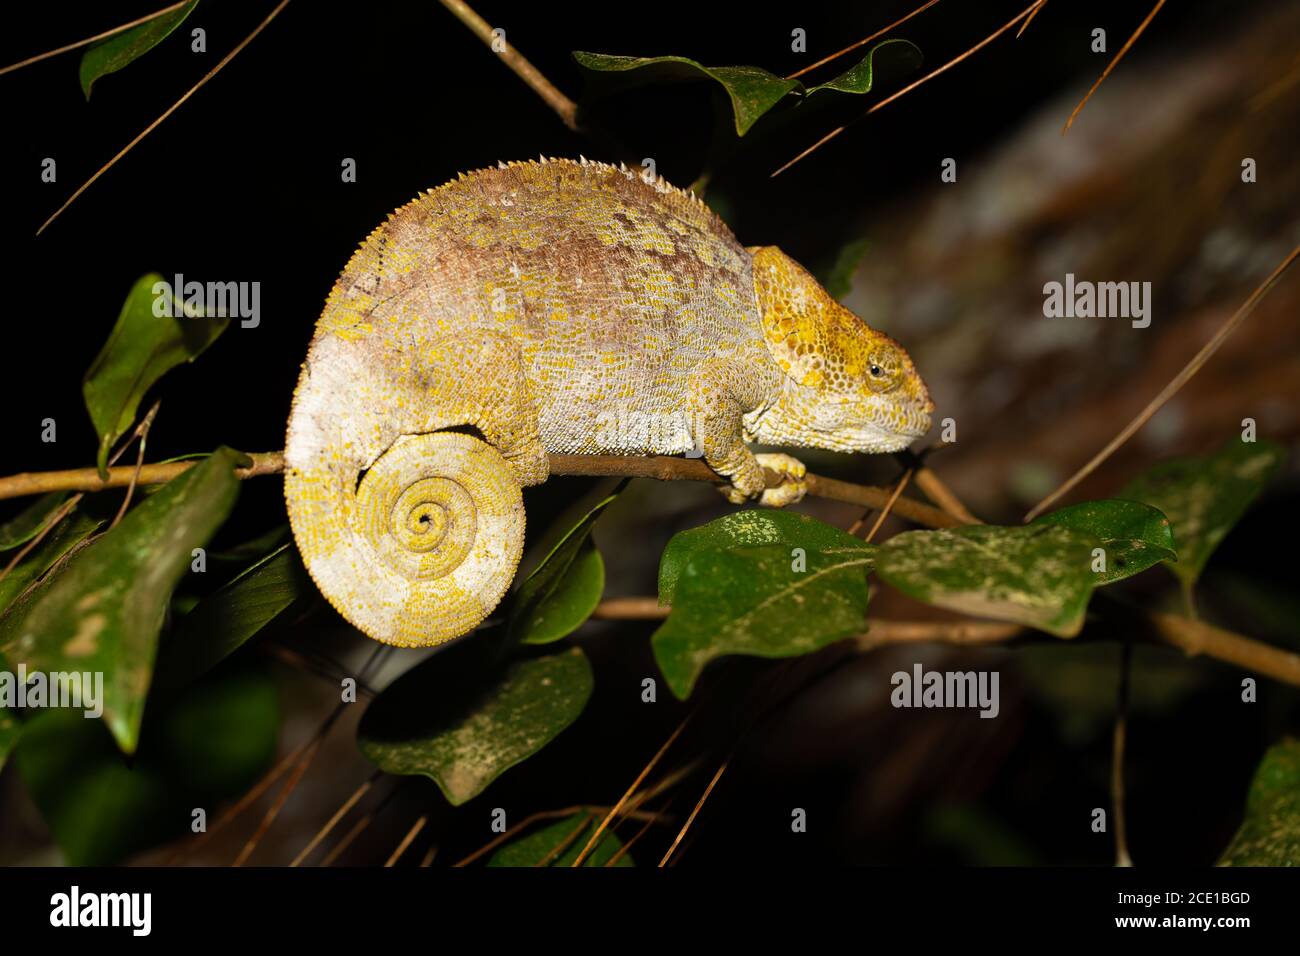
847	386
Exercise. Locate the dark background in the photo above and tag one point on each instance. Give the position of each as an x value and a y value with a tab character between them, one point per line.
243	183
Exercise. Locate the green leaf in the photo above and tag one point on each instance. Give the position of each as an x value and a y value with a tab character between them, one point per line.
419	725
1039	575
838	282
119	50
763	599
1135	536
103	611
30	522
203	748
561	593
900	56
75	528
221	733
140	350
1270	834
746	529
10	731
752	91
224	620
572	833
1205	496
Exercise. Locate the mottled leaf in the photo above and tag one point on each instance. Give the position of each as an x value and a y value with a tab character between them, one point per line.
543	847
201	749
561	593
418	725
896	57
228	617
752	91
764	600
1037	575
75	528
31	521
1270	834
1135	536
1203	497
140	350
746	529
103	611
121	49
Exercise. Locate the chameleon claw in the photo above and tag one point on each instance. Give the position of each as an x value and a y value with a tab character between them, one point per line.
792	488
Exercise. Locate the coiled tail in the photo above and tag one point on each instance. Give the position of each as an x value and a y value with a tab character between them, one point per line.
412	531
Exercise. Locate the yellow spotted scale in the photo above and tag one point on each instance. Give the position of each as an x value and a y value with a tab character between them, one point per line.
554	307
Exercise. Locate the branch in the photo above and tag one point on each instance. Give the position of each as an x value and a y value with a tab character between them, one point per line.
564	107
660	467
1197	637
87	479
1190	636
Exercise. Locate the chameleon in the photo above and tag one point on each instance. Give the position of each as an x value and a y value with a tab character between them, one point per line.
554	307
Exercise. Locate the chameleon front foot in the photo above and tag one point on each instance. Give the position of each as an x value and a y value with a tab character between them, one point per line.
752	484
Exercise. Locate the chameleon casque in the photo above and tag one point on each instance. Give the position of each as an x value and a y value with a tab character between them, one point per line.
565	307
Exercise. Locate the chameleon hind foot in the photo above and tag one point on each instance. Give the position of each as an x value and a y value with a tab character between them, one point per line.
750	484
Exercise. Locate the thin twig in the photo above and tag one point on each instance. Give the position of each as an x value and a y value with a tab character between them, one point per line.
357	828
880	633
339	814
1030	19
889	505
630	609
532	818
168	112
853	46
591	843
143	432
1170	390
564	107
694	813
1111	65
935	489
300	768
407	840
1117	757
66	508
89	40
911	86
554	852
243	803
626	848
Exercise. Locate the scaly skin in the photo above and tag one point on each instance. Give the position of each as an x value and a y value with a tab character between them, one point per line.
554	307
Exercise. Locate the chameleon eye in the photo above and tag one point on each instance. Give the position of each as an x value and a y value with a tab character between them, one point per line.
877	371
